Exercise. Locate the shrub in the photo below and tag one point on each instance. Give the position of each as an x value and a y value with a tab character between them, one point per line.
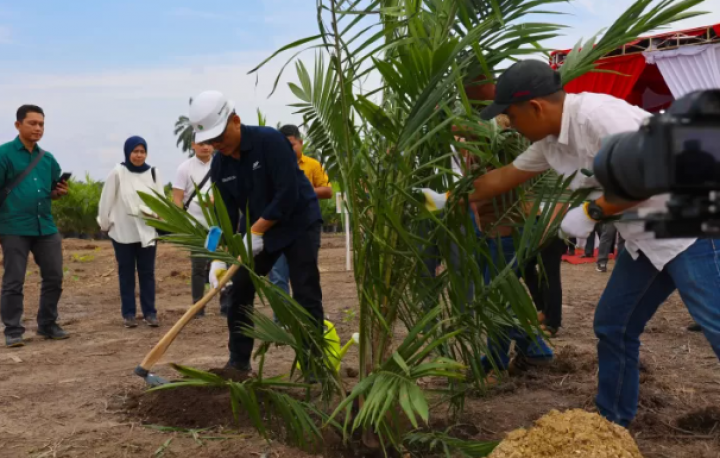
76	212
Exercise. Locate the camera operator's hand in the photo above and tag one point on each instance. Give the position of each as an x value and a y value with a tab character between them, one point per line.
577	223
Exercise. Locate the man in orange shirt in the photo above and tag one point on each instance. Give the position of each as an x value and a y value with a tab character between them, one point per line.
280	274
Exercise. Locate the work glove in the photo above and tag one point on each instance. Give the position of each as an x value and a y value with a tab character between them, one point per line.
256	243
217	270
434	201
577	223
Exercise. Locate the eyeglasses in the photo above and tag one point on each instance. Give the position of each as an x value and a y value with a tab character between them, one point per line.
221	137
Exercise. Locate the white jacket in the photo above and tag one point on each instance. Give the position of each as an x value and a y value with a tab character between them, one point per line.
119	208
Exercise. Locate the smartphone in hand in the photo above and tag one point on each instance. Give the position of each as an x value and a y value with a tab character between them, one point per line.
63	178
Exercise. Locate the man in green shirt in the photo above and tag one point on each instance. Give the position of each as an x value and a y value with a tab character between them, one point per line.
26	225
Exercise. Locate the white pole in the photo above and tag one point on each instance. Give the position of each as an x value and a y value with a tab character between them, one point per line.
341	207
347	240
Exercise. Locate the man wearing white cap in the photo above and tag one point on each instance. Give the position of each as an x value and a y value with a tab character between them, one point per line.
257	170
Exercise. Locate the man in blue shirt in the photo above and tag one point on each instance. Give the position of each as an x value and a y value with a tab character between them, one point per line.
257	170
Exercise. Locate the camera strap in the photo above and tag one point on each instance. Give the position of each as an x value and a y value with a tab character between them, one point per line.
19	179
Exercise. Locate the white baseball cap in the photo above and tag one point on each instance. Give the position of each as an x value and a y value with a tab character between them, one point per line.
209	113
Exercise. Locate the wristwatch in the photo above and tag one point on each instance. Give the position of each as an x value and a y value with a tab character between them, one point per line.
595	211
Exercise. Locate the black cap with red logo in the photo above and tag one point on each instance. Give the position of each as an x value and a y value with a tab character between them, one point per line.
524	80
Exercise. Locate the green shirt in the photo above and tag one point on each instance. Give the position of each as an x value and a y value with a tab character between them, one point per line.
27	210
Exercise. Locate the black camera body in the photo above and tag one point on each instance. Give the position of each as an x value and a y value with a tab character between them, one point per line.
675	152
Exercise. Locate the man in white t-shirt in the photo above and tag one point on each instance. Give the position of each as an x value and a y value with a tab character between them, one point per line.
191	173
567	130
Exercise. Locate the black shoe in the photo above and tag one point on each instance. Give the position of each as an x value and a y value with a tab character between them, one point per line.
238	366
130	322
52	331
14	341
311	378
601	267
200	314
694	328
152	321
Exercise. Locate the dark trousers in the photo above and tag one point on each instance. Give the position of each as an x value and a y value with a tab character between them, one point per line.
132	257
302	258
590	243
607	242
199	277
546	290
47	252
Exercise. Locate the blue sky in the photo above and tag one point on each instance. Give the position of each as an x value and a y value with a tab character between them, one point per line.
105	70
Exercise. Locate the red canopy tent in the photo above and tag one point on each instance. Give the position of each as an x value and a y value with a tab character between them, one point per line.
637	82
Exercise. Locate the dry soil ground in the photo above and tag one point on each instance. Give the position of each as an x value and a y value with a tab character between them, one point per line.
79	397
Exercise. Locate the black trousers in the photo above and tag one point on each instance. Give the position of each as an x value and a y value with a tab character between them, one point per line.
546	290
590	243
47	251
302	258
199	277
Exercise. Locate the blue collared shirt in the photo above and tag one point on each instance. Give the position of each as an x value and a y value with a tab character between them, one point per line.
267	182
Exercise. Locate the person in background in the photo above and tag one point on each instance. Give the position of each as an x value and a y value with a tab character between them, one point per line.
496	224
121	213
193	175
544	283
313	170
590	242
607	245
26	225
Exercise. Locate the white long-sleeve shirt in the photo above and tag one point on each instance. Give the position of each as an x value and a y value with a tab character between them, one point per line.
119	207
587	119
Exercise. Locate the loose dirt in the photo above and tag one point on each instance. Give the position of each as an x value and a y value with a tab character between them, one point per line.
80	398
568	435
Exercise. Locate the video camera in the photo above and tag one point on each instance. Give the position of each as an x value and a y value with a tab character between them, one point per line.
675	152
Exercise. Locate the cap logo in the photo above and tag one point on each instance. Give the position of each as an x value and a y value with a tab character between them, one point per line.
521	94
200	127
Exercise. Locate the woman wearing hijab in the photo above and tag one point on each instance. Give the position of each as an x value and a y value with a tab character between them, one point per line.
120	214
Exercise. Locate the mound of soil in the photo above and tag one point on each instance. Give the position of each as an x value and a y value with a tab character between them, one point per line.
187	407
703	421
571	434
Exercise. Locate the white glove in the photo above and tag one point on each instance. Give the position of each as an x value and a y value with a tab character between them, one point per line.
256	240
434	201
217	270
577	223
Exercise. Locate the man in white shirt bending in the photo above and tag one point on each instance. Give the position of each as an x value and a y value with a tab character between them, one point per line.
567	130
191	173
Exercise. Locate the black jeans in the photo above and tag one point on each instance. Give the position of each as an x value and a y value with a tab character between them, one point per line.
546	290
199	277
607	242
47	252
132	256
302	258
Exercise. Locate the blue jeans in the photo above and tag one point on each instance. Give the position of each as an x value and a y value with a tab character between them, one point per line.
280	274
132	256
633	294
533	347
280	277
